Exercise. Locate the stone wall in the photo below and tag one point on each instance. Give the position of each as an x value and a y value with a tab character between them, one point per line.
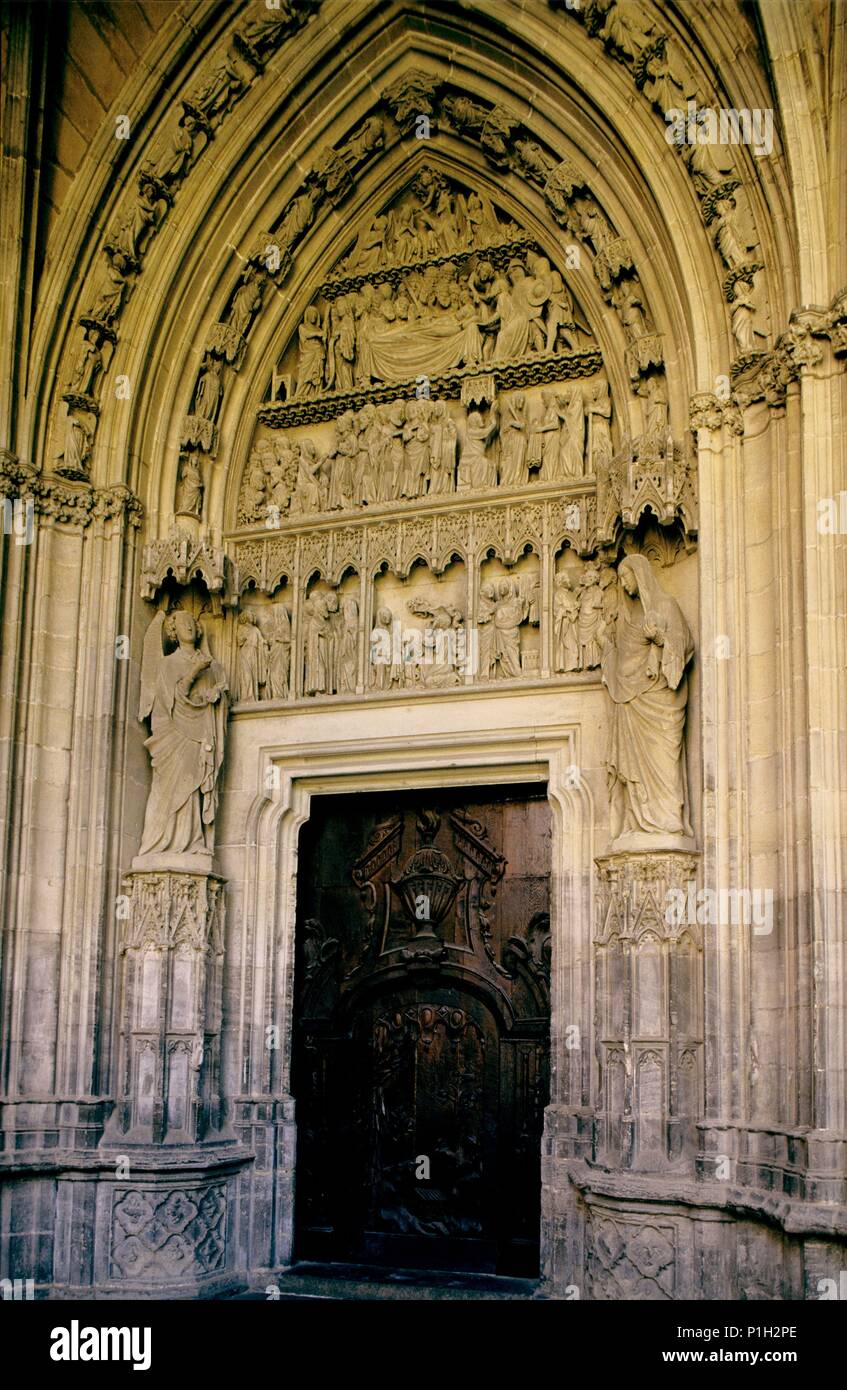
661	328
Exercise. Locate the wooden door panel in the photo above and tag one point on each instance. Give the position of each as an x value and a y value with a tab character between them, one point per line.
421	1035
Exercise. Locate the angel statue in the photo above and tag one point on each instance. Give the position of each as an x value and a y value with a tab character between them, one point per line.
184	696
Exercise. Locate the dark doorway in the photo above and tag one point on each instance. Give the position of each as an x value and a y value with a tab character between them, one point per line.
421	1039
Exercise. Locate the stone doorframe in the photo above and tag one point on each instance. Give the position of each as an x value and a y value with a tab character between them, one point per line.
296	773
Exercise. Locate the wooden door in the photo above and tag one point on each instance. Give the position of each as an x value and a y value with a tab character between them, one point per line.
422	1029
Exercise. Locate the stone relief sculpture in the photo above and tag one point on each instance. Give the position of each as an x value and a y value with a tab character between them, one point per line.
189	492
434	320
435	218
505	605
278	637
644	671
385	657
566	649
440	659
330	643
399	451
252	658
184	696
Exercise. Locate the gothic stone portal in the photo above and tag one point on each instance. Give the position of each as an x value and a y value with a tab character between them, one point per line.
422	1029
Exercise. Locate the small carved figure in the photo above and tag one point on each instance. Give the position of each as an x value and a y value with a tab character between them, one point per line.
312	336
89	364
590	617
247	299
317	653
189	492
112	287
552	427
572	432
416	453
476	469
627	29
298	217
626	296
510	610
386	666
443	440
209	390
347	654
79	435
655	392
341	345
485	624
513	442
599	410
566	605
742	315
727	240
278	637
130	233
170	165
307	491
251	657
219	89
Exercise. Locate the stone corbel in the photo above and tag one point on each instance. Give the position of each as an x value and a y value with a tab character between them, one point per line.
767	376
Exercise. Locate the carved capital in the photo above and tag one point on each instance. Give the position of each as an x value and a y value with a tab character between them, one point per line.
166	910
58	500
708	412
638	893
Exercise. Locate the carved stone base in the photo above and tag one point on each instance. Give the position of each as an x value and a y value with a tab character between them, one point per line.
170	1011
612	1236
648	982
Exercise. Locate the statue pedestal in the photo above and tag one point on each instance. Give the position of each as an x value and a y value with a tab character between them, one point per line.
171	953
649	1012
173	863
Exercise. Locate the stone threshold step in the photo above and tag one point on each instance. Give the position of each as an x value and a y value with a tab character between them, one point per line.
308	1280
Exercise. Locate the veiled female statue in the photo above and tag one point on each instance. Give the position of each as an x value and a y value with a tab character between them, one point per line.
644	673
184	695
